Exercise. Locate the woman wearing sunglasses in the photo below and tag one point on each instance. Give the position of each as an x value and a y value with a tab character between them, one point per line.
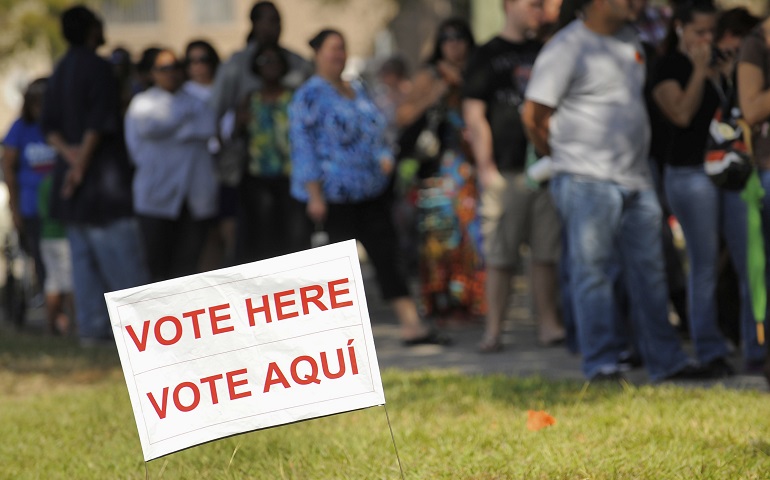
175	184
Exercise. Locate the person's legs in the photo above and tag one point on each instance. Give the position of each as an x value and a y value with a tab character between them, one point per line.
641	252
188	241
734	232
219	247
409	319
591	212
293	224
158	242
375	231
269	236
498	291
31	243
694	199
121	258
104	258
545	244
675	275
91	310
505	216
53	307
248	222
545	281
371	224
56	258
567	308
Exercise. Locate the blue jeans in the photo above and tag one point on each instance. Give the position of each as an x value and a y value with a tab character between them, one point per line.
606	224
104	258
695	201
692	195
733	221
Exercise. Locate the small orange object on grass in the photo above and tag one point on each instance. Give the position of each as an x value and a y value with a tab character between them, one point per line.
539	420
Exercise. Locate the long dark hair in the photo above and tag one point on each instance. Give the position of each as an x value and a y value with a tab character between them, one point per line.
256	68
684	14
211	53
737	21
35	92
455	23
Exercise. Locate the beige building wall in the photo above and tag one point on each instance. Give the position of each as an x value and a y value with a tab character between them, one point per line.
362	21
359	20
487	19
14	78
757	7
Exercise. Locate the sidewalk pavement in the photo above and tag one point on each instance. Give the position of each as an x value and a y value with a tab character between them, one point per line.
522	356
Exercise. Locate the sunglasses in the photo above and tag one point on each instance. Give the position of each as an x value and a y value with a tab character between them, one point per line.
451	36
203	59
169	67
267	60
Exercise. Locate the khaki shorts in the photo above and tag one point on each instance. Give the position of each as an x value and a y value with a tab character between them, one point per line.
513	214
58	265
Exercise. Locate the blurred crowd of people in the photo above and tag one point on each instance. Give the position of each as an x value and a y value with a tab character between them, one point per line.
579	131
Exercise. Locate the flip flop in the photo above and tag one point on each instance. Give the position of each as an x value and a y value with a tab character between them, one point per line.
556	342
490	346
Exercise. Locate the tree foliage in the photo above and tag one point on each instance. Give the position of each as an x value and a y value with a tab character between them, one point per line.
31	25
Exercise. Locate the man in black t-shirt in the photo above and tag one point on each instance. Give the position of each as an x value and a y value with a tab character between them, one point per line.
512	212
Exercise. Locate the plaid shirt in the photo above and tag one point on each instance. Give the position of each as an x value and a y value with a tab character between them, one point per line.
653	25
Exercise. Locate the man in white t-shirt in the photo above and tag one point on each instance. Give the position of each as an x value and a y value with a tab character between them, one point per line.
585	106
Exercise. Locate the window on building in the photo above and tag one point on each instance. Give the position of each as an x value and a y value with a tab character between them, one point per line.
207	11
131	11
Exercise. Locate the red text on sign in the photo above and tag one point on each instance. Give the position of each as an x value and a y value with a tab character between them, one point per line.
289	303
305	370
211	393
174	327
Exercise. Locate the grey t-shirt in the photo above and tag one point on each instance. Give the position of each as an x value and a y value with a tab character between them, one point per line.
600	128
235	79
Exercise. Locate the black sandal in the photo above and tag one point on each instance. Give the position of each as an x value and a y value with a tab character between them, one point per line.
433	337
491	346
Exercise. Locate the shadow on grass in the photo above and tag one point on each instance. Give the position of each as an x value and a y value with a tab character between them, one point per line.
453	388
28	352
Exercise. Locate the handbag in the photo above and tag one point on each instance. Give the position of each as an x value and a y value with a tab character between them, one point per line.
729	158
428	146
421	140
231	161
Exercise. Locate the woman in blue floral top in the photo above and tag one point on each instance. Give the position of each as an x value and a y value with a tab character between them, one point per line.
341	166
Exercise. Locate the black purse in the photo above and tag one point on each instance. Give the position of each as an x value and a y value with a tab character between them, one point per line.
728	161
422	139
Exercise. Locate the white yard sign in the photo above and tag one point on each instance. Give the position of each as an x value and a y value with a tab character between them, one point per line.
247	347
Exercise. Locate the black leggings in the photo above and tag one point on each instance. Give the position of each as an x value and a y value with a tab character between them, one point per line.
173	247
370	223
270	221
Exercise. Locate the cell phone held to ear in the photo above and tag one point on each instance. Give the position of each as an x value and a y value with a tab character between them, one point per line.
717	57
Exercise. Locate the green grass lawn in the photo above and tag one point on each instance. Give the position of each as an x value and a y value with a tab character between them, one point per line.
65	413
